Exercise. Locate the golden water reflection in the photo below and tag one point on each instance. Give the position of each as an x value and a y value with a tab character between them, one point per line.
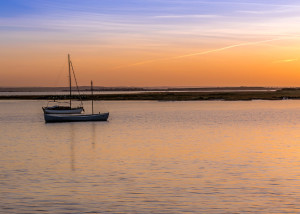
173	157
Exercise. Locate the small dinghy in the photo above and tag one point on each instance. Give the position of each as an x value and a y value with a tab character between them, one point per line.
54	118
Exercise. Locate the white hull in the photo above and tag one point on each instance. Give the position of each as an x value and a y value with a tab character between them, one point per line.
63	111
54	118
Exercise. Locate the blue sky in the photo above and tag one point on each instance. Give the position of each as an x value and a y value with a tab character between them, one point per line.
145	7
54	14
157	21
142	30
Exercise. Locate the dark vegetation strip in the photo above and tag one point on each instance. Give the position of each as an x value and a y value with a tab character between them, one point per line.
175	96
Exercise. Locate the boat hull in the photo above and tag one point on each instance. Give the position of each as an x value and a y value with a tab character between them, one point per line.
63	111
55	118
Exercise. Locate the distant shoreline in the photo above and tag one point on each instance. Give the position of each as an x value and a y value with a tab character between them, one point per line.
101	88
280	94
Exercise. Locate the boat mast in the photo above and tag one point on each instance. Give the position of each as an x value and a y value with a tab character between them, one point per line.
69	62
92	97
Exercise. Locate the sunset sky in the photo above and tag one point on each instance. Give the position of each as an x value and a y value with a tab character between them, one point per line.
150	42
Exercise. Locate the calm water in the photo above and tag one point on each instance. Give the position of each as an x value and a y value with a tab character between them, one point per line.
153	157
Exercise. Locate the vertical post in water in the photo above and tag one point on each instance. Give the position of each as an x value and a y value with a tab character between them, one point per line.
92	97
69	62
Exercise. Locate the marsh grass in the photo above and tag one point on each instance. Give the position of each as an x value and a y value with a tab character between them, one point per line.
280	94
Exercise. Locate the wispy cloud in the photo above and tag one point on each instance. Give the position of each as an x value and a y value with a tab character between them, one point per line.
188	16
286	60
289	10
218	21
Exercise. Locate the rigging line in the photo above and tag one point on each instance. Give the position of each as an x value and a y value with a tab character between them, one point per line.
76	83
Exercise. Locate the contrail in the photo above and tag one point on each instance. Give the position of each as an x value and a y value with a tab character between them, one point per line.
227	47
207	52
286	60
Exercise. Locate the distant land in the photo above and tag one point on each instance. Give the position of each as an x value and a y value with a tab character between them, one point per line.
124	88
168	94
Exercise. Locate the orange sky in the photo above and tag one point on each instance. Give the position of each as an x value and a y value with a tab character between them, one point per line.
272	63
242	48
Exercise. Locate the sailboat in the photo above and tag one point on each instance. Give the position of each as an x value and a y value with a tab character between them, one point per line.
54	118
63	109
